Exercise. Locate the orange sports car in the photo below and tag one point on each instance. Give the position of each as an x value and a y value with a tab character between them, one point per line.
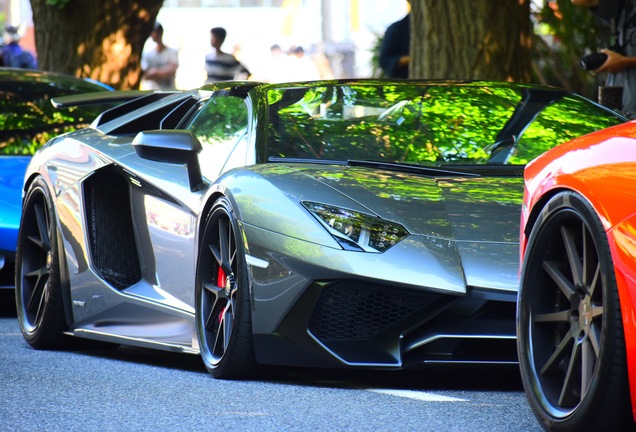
576	311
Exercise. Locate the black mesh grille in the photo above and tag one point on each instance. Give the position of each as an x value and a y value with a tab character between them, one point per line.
350	311
112	240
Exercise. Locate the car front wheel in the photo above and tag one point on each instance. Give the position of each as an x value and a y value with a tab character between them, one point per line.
38	285
222	301
570	336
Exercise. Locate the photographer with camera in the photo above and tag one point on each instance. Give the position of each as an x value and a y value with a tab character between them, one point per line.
619	61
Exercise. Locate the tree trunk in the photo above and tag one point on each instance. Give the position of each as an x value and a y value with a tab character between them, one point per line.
101	39
475	39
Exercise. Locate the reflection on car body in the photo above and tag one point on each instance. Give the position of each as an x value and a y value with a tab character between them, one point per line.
361	223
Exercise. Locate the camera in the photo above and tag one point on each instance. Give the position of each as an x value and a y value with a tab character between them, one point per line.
593	61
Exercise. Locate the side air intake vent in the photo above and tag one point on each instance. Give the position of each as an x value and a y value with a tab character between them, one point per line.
111	236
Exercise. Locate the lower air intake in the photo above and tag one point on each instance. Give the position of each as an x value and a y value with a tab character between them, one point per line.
352	311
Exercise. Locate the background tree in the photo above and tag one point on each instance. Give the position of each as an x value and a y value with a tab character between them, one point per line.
477	39
101	39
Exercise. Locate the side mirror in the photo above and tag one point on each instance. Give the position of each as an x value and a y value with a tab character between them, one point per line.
172	146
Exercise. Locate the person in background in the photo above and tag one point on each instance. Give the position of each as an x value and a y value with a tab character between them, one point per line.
275	69
159	65
394	50
300	66
12	54
620	64
219	65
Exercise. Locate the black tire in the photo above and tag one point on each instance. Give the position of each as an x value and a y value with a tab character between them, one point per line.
570	336
38	291
222	297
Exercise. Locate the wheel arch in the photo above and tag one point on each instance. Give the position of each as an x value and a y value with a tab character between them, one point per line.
214	195
533	217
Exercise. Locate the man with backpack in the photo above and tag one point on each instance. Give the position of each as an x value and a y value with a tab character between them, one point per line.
12	54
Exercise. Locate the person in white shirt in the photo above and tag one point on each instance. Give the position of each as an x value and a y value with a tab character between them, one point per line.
159	65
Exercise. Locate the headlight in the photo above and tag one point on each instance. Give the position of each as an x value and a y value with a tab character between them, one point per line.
357	231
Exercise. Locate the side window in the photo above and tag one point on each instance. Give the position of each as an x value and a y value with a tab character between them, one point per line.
219	125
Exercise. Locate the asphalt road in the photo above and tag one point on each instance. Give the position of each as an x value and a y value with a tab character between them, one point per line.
131	389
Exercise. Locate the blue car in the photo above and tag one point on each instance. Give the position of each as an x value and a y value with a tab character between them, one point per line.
27	121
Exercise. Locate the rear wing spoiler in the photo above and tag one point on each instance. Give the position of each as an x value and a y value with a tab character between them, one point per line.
121	101
98	98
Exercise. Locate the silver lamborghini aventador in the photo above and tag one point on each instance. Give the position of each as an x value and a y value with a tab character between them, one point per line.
360	223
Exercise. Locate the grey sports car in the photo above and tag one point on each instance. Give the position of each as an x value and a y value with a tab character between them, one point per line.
360	223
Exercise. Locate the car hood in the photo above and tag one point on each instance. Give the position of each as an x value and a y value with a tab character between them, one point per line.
467	224
464	209
12	169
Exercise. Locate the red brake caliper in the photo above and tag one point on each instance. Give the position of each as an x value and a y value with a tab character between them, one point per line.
220	282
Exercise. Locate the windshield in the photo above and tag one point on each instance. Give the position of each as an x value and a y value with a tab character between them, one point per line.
427	124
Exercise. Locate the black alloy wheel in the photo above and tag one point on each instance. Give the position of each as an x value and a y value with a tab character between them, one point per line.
222	302
570	335
38	286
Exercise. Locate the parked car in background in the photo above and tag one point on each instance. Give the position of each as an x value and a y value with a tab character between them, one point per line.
576	327
27	121
360	223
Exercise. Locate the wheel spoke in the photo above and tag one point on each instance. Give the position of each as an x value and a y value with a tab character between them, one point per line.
562	316
588	360
574	259
221	251
43	300
39	288
597	311
567	396
222	337
223	242
596	282
218	300
594	336
43	240
228	324
216	252
559	278
590	262
560	351
230	247
218	347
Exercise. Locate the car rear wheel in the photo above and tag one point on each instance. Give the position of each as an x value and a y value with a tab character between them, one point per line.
222	302
570	337
38	286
